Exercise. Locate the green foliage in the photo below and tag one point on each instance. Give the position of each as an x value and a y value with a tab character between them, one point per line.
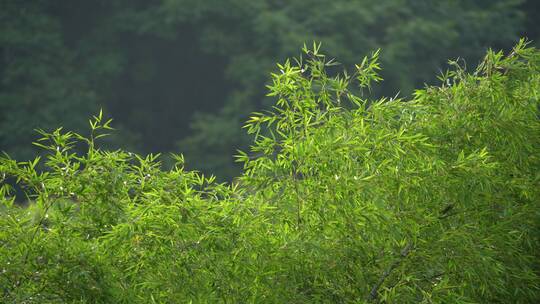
416	38
343	199
39	79
154	65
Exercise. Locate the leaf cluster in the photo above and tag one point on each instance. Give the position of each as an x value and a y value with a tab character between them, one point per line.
343	200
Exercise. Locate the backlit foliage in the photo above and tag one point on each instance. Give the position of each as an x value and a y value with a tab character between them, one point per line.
343	200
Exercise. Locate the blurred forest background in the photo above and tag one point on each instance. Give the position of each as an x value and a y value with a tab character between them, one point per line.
182	75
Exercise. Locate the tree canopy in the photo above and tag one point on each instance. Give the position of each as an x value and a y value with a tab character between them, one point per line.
183	75
343	198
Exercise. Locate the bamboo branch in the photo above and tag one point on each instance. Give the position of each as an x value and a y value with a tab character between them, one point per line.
374	291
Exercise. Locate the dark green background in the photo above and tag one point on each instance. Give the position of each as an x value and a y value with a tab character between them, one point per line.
182	75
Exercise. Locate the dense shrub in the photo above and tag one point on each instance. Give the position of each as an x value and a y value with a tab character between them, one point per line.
344	199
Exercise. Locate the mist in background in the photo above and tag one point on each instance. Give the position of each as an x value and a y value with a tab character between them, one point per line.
183	75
